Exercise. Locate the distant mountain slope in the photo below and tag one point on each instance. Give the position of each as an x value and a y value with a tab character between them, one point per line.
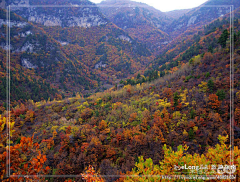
80	50
141	21
175	14
39	67
202	15
193	42
70	54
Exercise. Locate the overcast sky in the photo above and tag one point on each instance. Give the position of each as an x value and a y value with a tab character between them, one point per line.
168	5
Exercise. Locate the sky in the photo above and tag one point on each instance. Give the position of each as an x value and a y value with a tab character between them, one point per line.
168	5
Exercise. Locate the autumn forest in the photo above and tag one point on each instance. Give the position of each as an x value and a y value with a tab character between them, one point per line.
119	91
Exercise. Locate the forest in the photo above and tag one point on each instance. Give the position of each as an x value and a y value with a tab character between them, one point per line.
161	114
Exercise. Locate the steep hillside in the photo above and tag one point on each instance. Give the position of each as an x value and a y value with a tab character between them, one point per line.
179	108
110	130
35	54
70	54
191	43
142	22
175	14
158	29
202	15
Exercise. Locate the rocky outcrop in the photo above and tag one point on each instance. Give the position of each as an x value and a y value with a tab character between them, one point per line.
100	64
45	20
191	20
27	64
123	37
59	16
27	47
88	21
63	43
3	4
25	34
13	23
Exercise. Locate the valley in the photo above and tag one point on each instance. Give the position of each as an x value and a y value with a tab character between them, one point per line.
118	91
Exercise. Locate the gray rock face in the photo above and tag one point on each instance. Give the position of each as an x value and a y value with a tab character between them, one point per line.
178	27
25	34
5	47
19	2
191	20
86	21
13	23
45	20
123	37
28	47
63	43
70	16
27	64
3	4
100	64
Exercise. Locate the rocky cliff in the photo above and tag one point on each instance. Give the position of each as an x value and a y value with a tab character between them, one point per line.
58	13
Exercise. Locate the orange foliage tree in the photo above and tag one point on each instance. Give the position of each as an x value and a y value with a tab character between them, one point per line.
214	103
90	175
25	158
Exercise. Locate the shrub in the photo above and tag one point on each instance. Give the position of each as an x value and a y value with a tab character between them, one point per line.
210	85
207	75
87	113
192	114
221	94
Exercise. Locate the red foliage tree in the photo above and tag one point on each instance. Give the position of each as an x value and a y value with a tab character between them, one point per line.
214	103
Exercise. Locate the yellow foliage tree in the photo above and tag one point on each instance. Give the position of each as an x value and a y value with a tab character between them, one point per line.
183	97
203	86
164	103
179	162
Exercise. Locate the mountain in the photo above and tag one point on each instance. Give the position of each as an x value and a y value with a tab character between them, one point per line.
194	42
170	110
71	49
81	50
144	23
156	28
175	14
183	39
202	15
116	131
85	15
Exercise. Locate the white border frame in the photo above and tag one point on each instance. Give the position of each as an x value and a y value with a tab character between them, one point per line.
8	78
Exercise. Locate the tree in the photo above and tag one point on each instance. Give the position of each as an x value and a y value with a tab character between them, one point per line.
102	125
208	57
132	117
223	38
25	159
90	175
167	92
214	103
221	94
174	162
210	85
138	76
176	98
